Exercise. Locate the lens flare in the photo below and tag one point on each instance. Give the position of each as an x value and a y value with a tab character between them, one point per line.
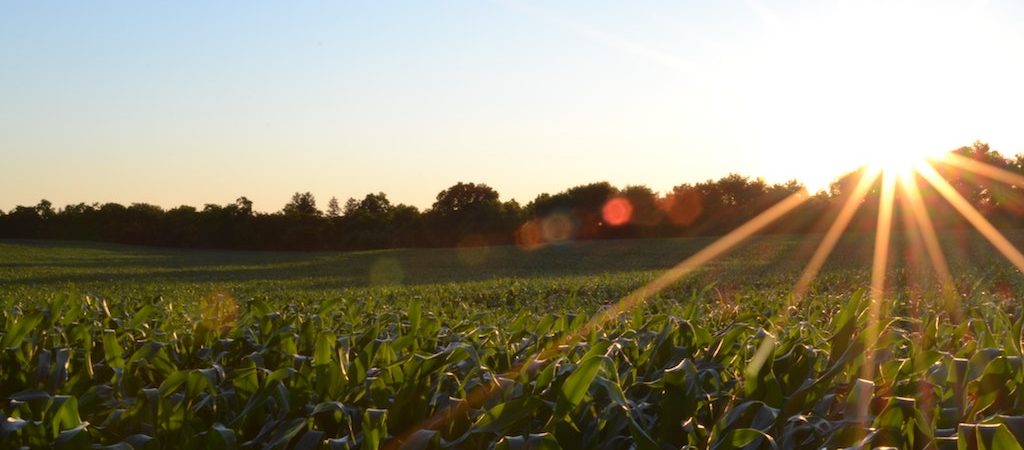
473	250
529	236
386	272
617	211
218	311
682	208
557	227
685	267
897	174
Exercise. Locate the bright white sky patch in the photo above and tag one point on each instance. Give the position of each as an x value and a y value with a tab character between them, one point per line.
871	81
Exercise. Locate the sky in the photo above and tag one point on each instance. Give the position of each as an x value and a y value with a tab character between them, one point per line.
192	103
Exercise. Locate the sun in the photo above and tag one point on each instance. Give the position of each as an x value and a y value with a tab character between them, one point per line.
876	83
902	161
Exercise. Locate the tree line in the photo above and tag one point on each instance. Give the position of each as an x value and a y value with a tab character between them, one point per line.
473	214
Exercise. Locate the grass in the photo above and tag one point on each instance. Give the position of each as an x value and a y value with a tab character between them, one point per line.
153	348
32	269
36	269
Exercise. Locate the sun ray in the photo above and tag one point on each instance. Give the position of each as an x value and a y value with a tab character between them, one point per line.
688	265
991	172
918	211
983	169
972	215
716	249
836	230
919	219
879	264
913	250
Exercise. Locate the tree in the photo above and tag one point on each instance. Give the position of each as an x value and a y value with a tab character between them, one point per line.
45	209
406	226
736	189
23	222
473	213
584	203
371	204
730	201
588	197
367	223
644	203
683	206
468	210
465	197
985	195
302	205
333	209
143	225
243	206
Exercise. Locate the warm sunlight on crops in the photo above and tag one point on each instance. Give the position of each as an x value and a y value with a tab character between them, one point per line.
727	225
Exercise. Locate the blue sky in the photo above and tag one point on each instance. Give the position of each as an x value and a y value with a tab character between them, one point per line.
201	102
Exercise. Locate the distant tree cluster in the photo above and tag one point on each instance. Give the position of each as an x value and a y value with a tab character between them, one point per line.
471	214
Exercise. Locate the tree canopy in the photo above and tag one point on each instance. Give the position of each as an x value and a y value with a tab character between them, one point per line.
469	213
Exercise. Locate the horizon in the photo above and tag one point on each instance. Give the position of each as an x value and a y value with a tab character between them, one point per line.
196	104
321	202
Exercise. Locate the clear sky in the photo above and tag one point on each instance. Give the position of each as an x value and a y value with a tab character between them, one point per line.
201	102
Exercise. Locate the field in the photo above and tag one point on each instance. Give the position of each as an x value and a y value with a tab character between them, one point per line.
139	348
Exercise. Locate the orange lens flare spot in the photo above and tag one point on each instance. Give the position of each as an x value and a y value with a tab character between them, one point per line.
552	229
682	208
529	236
617	211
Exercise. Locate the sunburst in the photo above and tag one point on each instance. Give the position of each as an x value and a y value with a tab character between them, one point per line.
911	132
898	176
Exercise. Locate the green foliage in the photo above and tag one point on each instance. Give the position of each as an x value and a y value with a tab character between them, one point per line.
737	364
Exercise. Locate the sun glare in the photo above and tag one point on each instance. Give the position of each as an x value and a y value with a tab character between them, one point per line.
900	162
872	83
